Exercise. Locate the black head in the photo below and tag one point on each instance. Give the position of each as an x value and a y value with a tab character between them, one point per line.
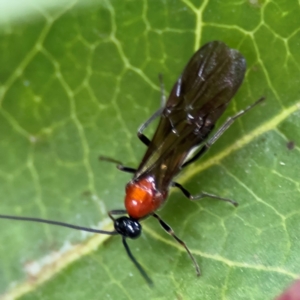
128	227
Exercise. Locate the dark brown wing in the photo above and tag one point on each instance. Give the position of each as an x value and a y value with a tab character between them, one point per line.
197	100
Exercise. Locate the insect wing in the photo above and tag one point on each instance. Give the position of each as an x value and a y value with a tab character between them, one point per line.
197	100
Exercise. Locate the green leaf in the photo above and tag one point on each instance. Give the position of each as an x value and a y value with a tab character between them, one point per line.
76	81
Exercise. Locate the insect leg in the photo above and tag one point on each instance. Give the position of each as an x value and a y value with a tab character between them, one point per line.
202	195
170	231
140	134
197	155
220	131
119	164
116	212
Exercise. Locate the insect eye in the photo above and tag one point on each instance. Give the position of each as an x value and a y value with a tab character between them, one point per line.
128	227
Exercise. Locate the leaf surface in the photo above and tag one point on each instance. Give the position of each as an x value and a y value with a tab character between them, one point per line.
76	81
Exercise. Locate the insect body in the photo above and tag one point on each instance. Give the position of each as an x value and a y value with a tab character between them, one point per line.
197	100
